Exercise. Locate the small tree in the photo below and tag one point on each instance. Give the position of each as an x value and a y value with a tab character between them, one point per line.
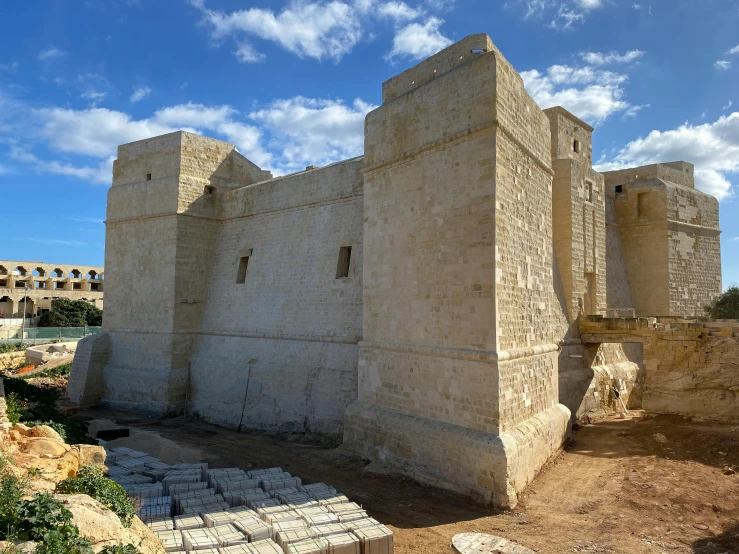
726	305
71	313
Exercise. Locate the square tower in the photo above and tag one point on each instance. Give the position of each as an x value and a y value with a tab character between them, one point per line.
458	365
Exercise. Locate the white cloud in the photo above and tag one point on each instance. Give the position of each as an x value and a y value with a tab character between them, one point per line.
398	11
712	147
591	94
735	238
418	40
728	106
56	242
246	53
48	54
589	4
598	58
734	50
9	67
634	110
317	30
722	65
313	131
139	93
94	97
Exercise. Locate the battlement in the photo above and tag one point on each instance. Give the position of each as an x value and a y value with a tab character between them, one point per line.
450	58
680	173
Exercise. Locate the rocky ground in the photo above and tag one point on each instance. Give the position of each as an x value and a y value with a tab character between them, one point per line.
40	457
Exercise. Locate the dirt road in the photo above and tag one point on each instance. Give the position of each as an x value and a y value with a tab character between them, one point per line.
622	486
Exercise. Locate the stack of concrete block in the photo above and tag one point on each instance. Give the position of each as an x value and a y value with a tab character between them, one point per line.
199	510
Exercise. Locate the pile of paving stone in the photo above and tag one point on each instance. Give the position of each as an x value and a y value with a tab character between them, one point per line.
192	508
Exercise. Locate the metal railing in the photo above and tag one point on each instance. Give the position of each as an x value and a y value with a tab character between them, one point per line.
37	335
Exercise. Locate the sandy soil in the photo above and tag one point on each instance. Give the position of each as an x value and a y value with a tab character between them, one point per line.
642	485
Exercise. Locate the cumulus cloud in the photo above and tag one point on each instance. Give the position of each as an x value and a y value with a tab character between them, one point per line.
139	93
246	53
283	136
734	50
561	14
320	30
398	11
93	96
313	131
416	40
591	94
48	54
599	58
712	147
722	65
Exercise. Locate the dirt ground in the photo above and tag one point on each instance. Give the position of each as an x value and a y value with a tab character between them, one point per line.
641	485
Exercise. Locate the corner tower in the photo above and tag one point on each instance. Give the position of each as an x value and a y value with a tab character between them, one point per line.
160	234
458	364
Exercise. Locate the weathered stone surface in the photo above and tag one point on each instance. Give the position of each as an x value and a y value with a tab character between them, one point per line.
24	430
480	543
44	445
104	528
90	454
47	432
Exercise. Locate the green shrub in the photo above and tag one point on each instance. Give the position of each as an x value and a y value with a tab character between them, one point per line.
11	497
90	480
59	542
12	347
15	407
726	305
32	404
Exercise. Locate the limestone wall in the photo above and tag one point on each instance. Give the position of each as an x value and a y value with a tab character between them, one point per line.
289	332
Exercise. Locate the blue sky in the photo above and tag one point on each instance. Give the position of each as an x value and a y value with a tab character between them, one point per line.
290	81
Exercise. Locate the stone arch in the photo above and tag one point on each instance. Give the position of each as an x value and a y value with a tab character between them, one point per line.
75	274
92	274
29	306
3	270
58	273
22	271
39	272
6	307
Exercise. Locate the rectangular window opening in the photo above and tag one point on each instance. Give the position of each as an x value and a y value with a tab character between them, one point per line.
576	146
77	286
589	191
241	274
148	176
342	268
619	189
94	286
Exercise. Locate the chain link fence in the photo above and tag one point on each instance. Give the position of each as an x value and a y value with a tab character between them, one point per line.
38	335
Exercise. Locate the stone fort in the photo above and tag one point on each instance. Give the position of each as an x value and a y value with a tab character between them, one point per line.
423	301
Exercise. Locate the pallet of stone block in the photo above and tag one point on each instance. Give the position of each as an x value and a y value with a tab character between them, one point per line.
254	529
201	501
313	519
329	498
255	473
171	540
154	513
289	525
217	518
226	485
317	488
161	525
143	491
361	523
278	481
306	511
198	539
228	535
187	497
183	523
329	529
200	510
180	488
377	539
280	517
117	470
266	546
157	501
288	536
290	496
234	498
307	546
257	503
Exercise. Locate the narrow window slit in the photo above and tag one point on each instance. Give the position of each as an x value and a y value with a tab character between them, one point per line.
342	268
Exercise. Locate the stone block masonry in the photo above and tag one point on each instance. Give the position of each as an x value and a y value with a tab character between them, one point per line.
422	301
